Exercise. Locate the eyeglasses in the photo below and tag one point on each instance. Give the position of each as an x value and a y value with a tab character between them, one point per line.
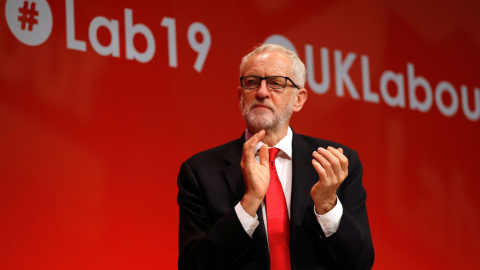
276	83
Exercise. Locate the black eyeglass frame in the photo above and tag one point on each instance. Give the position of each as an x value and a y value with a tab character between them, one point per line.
265	78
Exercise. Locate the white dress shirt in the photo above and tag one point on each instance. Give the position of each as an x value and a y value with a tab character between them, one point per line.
283	163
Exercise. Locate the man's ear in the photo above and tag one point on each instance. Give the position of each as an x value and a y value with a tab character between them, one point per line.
239	92
300	99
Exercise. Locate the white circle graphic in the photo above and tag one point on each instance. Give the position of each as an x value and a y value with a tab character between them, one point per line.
281	40
30	21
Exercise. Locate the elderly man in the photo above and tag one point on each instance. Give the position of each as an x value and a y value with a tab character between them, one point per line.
273	199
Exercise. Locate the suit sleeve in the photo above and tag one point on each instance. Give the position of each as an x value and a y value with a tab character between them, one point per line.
205	243
351	246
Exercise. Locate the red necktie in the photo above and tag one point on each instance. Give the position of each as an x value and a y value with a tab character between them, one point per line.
277	219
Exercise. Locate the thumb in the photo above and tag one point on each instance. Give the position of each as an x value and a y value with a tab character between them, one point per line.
263	154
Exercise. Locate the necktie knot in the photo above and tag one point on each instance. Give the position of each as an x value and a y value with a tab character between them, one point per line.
272	152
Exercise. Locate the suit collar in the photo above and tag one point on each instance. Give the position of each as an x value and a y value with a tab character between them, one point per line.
285	144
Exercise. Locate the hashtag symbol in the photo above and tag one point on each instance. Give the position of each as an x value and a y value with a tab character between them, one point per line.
28	15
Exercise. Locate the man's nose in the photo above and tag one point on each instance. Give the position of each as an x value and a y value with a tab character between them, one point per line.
262	90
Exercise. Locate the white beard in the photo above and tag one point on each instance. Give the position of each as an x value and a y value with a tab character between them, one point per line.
268	120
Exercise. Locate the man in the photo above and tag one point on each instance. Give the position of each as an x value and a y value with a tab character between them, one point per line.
273	199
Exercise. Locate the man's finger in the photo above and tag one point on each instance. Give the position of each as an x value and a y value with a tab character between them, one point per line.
332	159
249	146
322	174
320	158
263	154
339	154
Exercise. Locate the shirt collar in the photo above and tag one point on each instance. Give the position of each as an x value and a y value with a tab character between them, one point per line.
285	144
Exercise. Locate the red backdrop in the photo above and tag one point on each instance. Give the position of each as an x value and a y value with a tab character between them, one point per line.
100	105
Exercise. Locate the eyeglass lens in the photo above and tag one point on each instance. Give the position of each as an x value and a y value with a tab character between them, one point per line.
274	82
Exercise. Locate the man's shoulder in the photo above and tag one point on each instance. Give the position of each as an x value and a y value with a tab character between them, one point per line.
309	144
219	152
317	142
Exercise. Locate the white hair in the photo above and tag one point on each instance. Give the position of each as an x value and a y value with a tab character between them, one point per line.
298	71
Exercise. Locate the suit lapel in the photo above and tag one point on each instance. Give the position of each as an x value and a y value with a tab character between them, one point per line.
304	177
233	174
233	171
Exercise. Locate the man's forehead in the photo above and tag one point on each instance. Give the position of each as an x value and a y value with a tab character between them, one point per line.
270	63
269	57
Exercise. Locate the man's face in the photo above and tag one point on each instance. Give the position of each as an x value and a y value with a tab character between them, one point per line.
263	108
